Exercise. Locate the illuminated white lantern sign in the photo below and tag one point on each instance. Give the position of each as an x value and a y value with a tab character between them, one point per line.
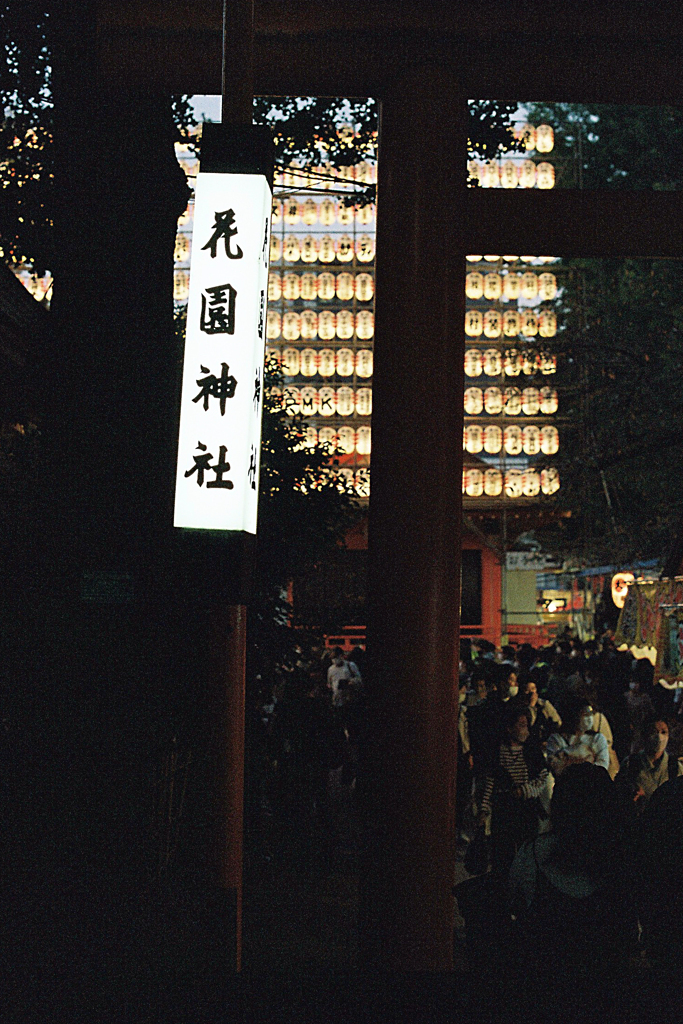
217	480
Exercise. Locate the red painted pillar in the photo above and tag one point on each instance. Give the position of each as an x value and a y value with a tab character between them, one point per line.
408	778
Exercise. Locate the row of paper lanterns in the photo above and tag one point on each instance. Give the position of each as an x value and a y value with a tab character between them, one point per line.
325	325
512	362
308	362
512	322
514	440
511	286
360	480
327	212
541	138
511	259
344	440
310	401
322	250
517	483
510	174
325	286
511	401
325	176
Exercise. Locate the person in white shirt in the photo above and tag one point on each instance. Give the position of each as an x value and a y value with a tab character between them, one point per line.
341	671
576	742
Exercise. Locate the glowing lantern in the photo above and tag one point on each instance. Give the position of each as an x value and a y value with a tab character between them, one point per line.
493	439
364	441
365	287
550	440
473	170
291	326
365	172
526	134
493	323
493	401
309	362
344	401
512	323
326	249
548	401
474	483
290	362
511	286
550	480
309	287
344	324
327	399
327	436
181	286
512	362
531	401
473	438
292	251
491	259
531	483
310	212
508	175
529	285
545	138
529	324
344	287
292	212
327	213
365	324
474	401
512	439
309	249
493	362
620	585
531	440
545	176
548	362
326	362
310	437
273	324
474	285
309	401
527	174
364	401
289	178
182	249
345	214
275	248
547	324
510	259
493	287
474	259
529	362
276	215
291	286
464	480
365	249
326	325
309	324
474	323
547	286
326	286
364	362
513	402
291	401
473	362
274	286
489	174
493	482
346	440
362	483
365	214
513	483
273	352
345	362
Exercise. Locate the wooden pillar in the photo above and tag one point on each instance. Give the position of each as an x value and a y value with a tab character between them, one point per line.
408	781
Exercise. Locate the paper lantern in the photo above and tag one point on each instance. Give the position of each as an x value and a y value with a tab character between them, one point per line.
545	138
275	249
529	285
513	402
547	286
309	249
550	440
326	249
547	324
513	483
328	403
512	323
508	175
365	287
493	439
493	482
273	352
511	286
531	483
345	287
362	483
473	170
276	215
326	286
291	286
345	401
309	401
181	253
526	135
550	480
181	286
326	325
290	362
545	176
365	172
529	362
364	441
474	285
548	362
344	324
493	287
529	323
531	440
512	439
274	286
510	259
326	213
548	401
345	362
275	395
365	214
527	174
327	435
291	400
491	259
473	362
309	213
310	437
489	174
493	362
474	401
326	362
291	326
531	402
291	249
309	287
308	362
474	483
364	401
493	401
273	324
365	324
364	362
346	440
493	323
474	259
512	362
365	249
474	323
473	440
292	211
289	177
345	214
309	324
